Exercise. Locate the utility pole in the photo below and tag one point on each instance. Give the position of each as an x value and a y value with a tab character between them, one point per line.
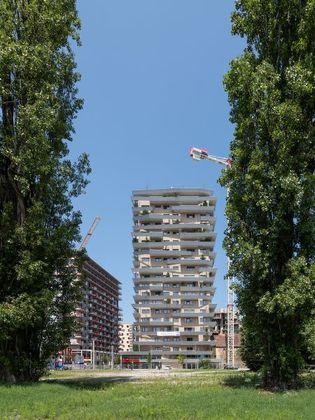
201	154
112	356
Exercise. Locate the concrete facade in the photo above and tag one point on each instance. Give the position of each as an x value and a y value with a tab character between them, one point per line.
220	320
125	337
173	241
98	312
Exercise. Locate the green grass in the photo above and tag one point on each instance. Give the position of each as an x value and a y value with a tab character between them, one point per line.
203	396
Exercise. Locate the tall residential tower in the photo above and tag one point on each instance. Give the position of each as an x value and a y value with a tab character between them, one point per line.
173	241
97	314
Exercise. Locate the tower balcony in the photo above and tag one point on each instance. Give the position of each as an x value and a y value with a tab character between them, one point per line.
176	279
192	209
179	226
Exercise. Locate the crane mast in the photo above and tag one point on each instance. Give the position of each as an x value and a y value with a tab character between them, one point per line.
202	154
90	233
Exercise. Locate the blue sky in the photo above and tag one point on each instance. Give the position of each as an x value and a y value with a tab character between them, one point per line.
152	75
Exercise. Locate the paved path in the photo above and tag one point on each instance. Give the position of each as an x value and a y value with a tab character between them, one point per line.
123	375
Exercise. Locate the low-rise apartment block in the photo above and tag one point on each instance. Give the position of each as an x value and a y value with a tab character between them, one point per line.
220	320
125	337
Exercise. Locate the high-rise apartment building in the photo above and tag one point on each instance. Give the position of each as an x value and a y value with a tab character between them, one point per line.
173	242
98	312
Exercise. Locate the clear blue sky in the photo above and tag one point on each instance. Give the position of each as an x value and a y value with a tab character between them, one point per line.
152	75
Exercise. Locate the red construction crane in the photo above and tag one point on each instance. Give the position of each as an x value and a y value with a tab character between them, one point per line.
198	154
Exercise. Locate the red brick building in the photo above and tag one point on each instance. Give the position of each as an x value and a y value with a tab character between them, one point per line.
220	337
220	349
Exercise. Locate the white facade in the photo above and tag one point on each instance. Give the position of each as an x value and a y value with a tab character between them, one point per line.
125	333
173	241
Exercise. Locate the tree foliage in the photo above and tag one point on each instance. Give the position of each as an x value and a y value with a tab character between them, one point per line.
271	233
180	358
149	360
38	227
204	364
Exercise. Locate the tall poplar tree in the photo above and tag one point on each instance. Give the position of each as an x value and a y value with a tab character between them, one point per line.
38	225
271	233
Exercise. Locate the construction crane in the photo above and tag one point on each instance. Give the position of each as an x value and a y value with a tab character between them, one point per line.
90	233
202	154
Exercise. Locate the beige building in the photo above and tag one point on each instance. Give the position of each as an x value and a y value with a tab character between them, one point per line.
173	241
125	337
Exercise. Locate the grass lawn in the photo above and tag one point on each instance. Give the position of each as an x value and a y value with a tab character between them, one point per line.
202	396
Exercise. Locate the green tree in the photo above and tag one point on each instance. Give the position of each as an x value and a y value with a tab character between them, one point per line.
309	336
250	350
149	360
38	226
117	360
204	364
270	238
105	359
180	359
